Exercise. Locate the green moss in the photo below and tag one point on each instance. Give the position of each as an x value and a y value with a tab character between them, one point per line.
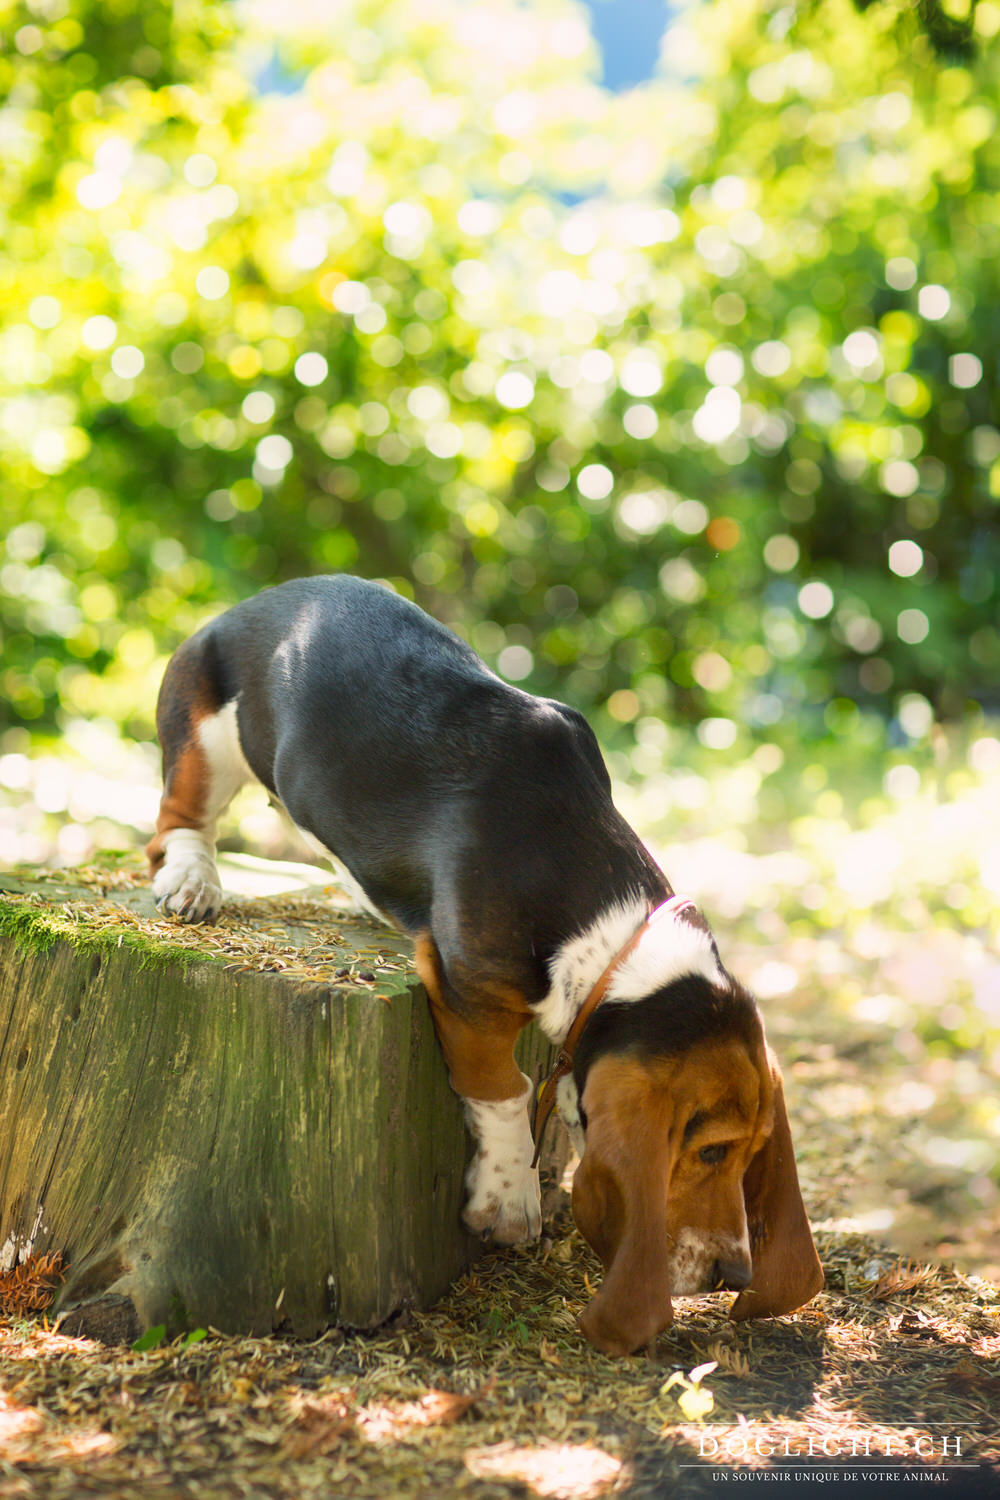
27	925
35	928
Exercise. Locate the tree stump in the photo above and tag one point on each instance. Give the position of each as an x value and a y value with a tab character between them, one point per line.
244	1127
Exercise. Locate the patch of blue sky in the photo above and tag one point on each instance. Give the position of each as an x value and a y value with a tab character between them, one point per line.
628	34
276	77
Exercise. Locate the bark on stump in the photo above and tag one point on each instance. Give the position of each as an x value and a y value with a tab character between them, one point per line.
208	1148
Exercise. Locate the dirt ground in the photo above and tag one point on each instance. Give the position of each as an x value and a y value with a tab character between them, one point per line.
891	1375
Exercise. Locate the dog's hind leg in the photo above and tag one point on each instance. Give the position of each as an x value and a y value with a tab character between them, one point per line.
203	768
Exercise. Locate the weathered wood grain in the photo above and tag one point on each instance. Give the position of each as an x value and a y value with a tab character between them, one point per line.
240	1150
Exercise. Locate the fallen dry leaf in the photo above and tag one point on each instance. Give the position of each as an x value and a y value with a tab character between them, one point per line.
434	1409
30	1286
320	1425
902	1277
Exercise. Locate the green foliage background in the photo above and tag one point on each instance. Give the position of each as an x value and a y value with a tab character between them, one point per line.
636	391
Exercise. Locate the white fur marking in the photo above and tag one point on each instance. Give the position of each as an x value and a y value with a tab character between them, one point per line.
578	964
504	1201
694	1256
228	767
670	948
187	883
568	1104
352	888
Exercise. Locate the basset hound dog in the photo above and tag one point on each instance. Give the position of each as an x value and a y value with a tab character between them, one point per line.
479	819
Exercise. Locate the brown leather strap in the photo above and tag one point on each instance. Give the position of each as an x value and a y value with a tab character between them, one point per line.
564	1061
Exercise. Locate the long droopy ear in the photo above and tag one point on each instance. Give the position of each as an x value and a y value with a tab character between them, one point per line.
620	1207
632	1304
786	1268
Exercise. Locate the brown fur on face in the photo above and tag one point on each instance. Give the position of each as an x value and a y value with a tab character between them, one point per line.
664	1221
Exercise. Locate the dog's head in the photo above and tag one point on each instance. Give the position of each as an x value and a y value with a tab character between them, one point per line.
687	1182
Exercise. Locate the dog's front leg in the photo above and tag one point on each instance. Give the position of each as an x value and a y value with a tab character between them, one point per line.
503	1202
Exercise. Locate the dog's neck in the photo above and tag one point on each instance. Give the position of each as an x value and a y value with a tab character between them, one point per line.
672	945
675	942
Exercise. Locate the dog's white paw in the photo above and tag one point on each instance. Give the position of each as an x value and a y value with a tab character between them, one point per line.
187	883
504	1200
189	895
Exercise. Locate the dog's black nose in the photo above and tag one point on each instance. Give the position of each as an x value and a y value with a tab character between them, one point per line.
732	1275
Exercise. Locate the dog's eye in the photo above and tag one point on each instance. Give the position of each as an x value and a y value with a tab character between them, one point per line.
713	1155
